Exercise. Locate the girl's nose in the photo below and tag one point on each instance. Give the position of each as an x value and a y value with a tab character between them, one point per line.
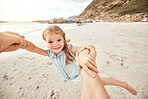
55	44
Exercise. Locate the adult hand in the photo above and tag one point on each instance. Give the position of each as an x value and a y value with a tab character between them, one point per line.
92	51
9	41
13	33
86	61
12	48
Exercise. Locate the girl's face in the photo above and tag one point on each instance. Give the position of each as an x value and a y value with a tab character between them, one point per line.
55	42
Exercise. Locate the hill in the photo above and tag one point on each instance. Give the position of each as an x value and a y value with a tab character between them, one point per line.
71	18
116	10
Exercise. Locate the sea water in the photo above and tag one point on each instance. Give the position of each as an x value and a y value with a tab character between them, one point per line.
30	27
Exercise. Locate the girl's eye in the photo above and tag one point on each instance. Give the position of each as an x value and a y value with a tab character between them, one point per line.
59	40
50	42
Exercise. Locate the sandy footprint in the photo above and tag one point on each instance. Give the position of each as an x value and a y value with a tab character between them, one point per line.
5	77
53	95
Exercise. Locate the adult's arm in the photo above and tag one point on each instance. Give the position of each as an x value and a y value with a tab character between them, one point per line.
92	88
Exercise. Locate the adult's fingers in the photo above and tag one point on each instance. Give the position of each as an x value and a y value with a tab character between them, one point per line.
92	68
23	43
22	36
93	63
79	67
89	72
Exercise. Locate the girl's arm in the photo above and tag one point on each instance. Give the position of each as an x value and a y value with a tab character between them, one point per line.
25	44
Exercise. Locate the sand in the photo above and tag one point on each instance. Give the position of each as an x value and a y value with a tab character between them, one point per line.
122	53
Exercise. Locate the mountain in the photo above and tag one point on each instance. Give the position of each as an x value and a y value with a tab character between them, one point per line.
116	10
71	18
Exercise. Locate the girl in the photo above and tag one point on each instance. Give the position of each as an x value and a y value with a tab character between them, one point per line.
63	57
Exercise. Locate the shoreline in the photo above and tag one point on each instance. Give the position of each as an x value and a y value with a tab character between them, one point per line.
71	23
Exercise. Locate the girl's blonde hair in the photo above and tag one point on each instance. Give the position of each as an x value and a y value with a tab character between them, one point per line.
54	29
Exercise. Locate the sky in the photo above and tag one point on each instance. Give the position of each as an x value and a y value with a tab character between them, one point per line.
28	10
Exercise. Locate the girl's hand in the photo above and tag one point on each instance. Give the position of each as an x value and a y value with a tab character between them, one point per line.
86	61
25	44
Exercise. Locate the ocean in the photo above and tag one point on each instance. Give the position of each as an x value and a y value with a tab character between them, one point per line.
31	27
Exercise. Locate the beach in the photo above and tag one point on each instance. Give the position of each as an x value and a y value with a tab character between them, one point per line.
122	53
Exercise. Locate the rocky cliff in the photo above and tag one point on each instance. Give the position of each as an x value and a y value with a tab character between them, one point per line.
116	10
